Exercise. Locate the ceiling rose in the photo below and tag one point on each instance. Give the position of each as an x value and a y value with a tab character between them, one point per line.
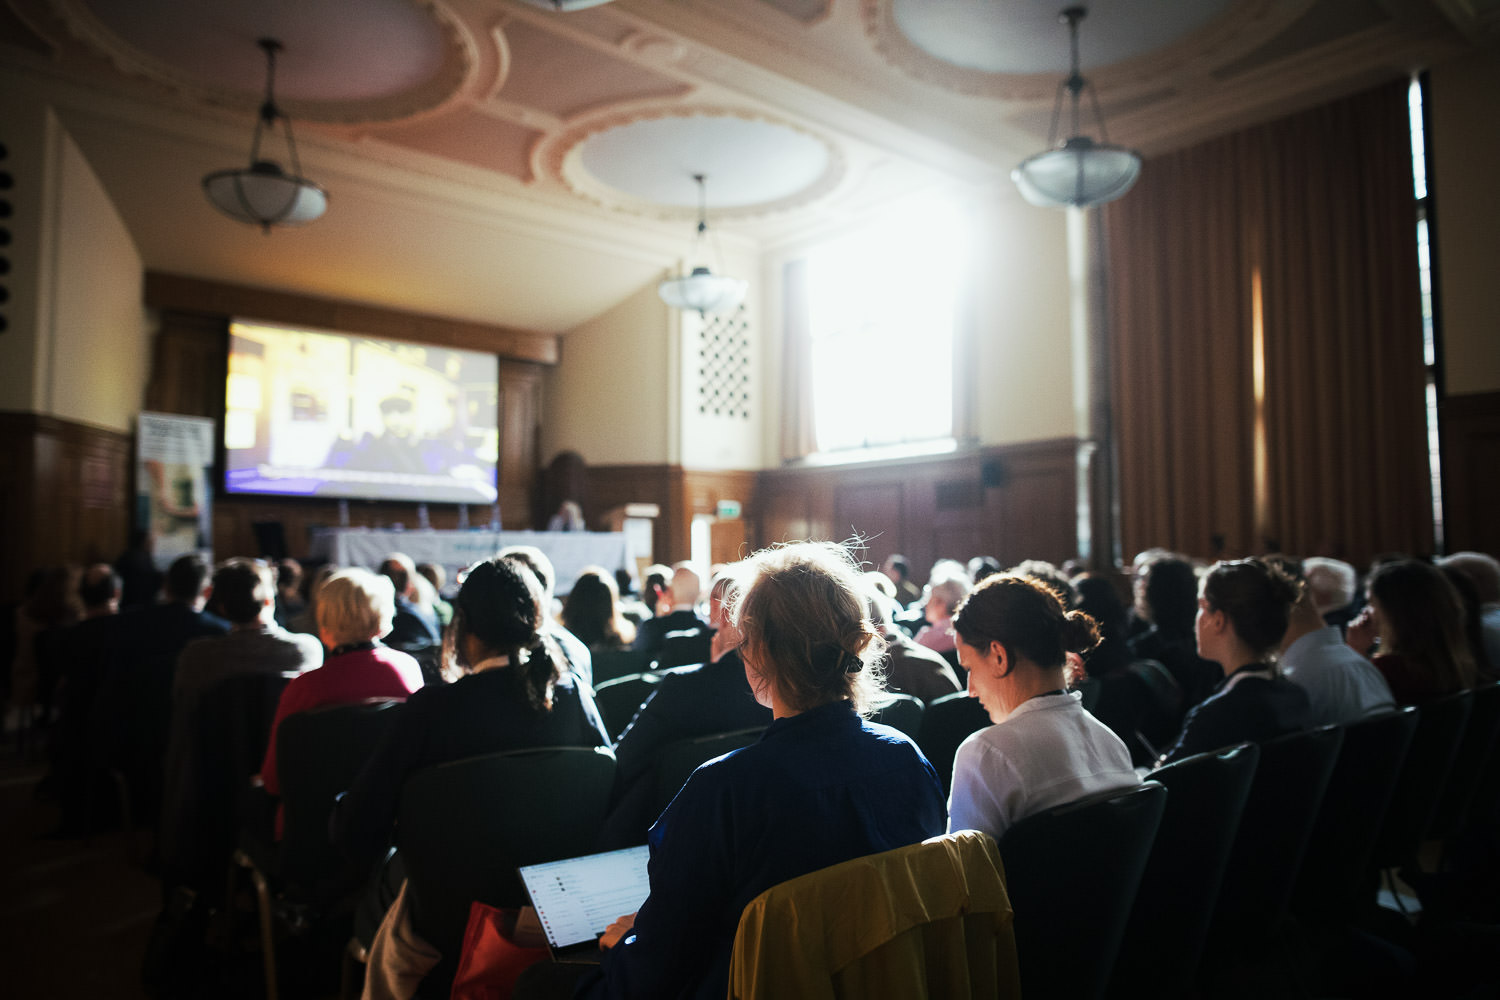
647	162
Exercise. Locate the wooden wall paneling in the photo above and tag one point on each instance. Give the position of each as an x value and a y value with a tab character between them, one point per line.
520	419
215	298
1470	428
611	486
190	360
701	492
68	489
1033	503
872	512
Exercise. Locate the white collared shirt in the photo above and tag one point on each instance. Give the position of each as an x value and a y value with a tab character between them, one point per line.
1049	751
1341	685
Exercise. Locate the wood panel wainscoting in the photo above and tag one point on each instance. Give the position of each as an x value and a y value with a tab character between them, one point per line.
1012	502
1471	455
681	495
65	492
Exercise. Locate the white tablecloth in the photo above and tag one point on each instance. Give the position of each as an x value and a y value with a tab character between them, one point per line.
570	551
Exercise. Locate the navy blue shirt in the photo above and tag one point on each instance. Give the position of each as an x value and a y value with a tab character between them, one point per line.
819	788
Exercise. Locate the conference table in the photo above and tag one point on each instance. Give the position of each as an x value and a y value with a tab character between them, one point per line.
570	551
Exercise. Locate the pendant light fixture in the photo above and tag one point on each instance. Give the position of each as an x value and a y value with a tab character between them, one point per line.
263	194
701	290
1080	172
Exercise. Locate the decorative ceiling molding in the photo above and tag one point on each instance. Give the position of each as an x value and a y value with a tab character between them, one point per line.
559	157
1240	30
460	58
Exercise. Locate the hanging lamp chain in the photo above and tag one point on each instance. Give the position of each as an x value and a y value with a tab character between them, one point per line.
270	112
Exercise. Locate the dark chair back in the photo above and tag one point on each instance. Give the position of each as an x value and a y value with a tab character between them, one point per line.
900	711
612	663
1440	728
946	723
1475	752
465	826
1206	795
226	741
1333	882
318	755
618	700
1072	873
677	761
1284	800
685	646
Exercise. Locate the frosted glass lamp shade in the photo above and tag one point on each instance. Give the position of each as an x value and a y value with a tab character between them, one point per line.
265	195
703	292
1081	172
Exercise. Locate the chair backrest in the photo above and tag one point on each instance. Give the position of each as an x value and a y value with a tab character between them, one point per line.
1206	794
684	646
464	827
618	700
319	754
612	663
1284	800
1440	728
901	711
947	722
677	761
1072	872
1475	752
1333	880
928	920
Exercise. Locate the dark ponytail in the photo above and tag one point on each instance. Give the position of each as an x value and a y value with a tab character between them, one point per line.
500	604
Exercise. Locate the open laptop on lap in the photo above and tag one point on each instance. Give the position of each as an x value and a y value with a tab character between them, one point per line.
577	898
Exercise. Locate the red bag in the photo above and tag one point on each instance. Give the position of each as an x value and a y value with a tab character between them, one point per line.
492	959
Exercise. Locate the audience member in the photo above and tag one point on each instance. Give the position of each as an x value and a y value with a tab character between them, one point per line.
1342	686
574	653
898	570
1044	750
686	589
85	654
1468	599
822	786
438	578
1414	615
1050	577
1166	595
701	700
51	604
982	566
1333	584
1243	612
909	668
945	591
307	621
416	627
592	612
355	609
1484	572
139	577
510	693
289	600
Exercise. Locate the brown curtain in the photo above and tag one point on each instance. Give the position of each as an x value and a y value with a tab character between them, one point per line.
1345	386
1318	208
798	433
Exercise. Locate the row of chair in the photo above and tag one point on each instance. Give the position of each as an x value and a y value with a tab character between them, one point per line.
1186	881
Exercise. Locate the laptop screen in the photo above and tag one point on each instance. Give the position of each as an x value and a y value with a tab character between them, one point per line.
578	898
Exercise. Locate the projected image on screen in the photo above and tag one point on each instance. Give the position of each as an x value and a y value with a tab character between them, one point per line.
314	413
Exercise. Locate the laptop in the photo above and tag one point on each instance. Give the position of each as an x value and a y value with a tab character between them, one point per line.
576	899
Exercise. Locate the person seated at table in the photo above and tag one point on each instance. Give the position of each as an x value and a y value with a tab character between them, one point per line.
1045	749
355	608
1244	607
1412	628
822	785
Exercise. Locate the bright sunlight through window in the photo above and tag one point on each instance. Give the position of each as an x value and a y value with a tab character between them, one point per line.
884	304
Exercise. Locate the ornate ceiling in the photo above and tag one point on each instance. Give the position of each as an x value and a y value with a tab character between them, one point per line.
586	127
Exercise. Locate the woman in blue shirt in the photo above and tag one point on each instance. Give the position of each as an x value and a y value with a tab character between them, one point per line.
821	786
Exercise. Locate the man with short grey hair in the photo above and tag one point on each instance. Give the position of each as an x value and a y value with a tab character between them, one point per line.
1484	572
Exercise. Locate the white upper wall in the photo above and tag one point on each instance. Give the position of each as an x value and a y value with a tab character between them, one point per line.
79	346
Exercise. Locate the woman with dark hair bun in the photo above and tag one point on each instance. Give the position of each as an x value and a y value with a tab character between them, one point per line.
1413	622
1244	607
1045	749
507	693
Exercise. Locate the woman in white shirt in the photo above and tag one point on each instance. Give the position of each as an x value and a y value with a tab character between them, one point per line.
1045	749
